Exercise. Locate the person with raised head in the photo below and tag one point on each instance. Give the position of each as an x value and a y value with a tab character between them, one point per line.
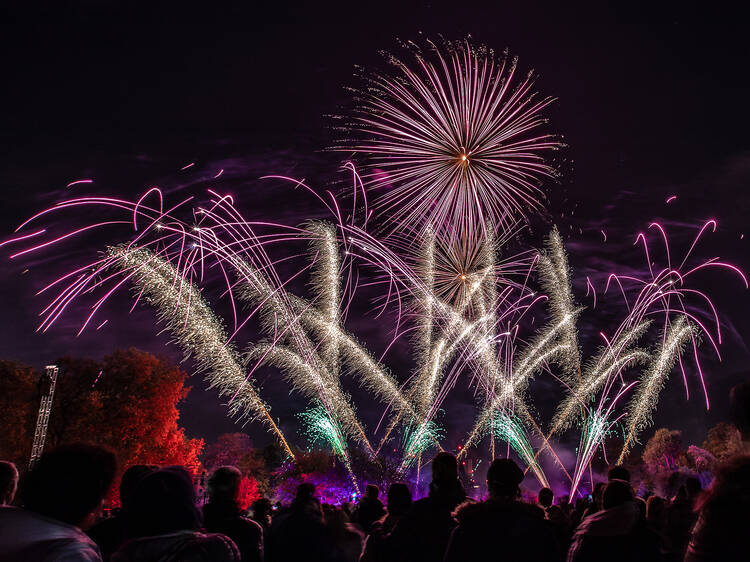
62	495
300	533
618	533
423	532
399	502
503	524
721	532
369	509
618	472
222	514
8	482
545	498
109	534
165	525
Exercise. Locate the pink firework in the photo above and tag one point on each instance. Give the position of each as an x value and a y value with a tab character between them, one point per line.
454	143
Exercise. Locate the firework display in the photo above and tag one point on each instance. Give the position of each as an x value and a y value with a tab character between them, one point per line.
455	141
454	162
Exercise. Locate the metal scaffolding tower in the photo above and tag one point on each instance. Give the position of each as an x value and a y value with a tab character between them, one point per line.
42	420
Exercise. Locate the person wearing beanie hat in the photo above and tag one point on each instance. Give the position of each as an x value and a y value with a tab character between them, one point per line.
504	478
503	524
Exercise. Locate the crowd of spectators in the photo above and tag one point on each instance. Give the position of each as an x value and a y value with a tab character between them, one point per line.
57	517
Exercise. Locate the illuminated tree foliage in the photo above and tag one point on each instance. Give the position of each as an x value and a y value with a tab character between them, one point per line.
663	450
127	402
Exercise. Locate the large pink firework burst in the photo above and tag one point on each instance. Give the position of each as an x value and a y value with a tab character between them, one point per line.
455	142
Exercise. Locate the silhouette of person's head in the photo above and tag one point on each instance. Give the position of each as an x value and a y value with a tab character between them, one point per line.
618	472
399	499
163	502
224	484
69	483
305	493
262	508
130	479
8	482
504	478
306	502
372	492
545	497
616	493
444	468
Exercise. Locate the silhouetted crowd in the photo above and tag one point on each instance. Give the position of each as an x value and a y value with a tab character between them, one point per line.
160	521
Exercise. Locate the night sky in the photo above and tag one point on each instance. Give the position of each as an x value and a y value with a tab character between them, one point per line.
650	104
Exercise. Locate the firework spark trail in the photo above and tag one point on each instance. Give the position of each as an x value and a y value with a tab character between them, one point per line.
373	376
652	381
218	250
196	329
325	283
537	355
509	428
668	284
510	401
554	275
433	358
558	342
309	374
425	350
609	361
457	325
654	296
311	381
577	397
441	354
596	428
327	325
416	440
309	338
316	379
322	427
456	138
486	356
481	287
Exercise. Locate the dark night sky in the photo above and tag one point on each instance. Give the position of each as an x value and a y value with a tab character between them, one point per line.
650	104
